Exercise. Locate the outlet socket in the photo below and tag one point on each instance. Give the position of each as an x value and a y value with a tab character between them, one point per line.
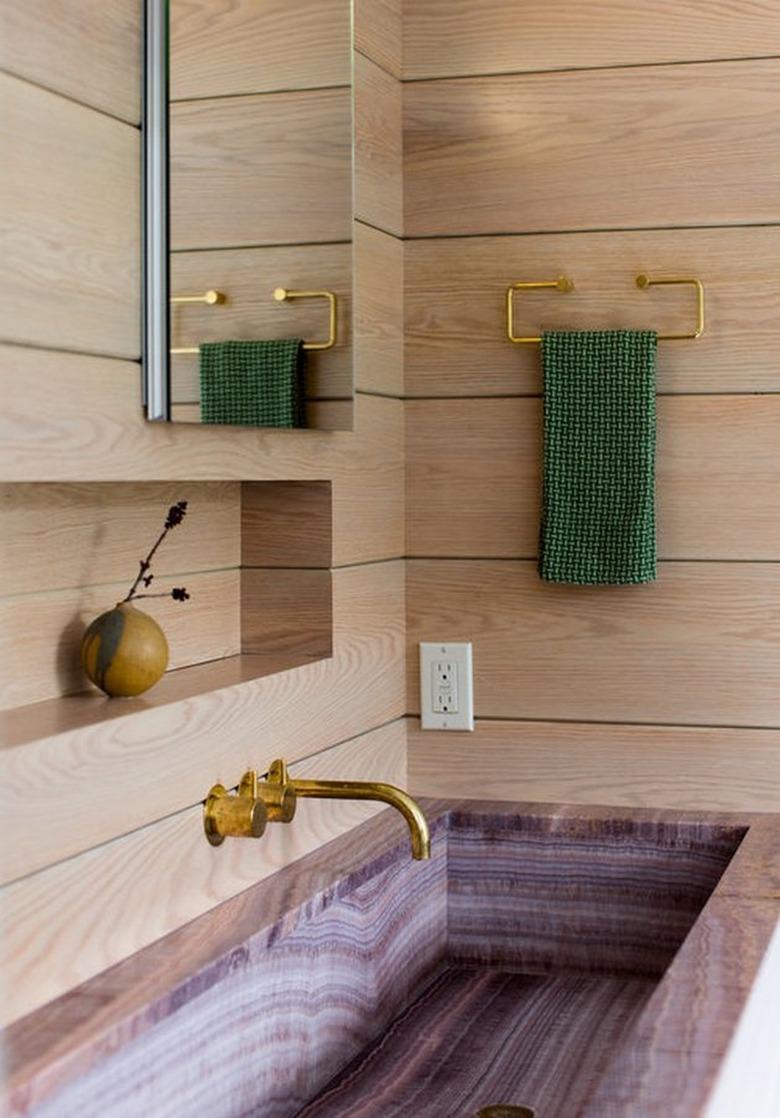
446	686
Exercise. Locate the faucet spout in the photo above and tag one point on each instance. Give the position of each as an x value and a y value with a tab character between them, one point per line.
373	790
275	799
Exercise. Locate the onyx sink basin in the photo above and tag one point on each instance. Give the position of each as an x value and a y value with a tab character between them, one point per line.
583	962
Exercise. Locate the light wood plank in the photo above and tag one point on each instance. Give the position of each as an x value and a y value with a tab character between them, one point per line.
56	936
169	755
717	470
482	457
699	647
69	225
593	149
83	710
379	311
319	415
286	612
378	147
286	524
247	277
681	767
443	38
79	418
221	48
379	32
89	50
42	631
456	319
261	170
59	536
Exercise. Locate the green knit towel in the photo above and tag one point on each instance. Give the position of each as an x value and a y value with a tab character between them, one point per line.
598	507
252	383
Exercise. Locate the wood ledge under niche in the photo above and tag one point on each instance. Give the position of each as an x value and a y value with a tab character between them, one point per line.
284	598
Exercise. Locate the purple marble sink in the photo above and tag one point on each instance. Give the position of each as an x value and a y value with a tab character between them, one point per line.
586	962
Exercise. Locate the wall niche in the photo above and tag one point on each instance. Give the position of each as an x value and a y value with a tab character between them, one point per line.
255	557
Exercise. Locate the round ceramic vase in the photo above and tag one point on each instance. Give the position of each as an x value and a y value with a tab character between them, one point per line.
124	651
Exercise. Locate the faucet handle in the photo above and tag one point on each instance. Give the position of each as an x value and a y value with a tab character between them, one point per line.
278	794
239	816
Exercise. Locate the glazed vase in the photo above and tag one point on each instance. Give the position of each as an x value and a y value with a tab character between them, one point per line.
124	651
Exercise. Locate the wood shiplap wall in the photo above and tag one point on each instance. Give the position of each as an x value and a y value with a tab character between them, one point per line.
598	140
123	795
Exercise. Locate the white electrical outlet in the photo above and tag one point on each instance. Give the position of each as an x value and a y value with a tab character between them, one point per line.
446	686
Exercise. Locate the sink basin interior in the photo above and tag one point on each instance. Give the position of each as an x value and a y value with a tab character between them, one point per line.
538	946
481	1035
558	933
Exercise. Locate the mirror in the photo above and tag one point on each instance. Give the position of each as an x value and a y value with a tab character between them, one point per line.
248	209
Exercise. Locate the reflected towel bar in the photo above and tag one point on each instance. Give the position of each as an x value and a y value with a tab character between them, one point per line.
211	298
564	284
281	294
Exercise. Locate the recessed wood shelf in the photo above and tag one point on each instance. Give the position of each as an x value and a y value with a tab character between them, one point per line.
275	611
89	708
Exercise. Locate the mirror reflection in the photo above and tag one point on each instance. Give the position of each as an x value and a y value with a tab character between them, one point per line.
258	175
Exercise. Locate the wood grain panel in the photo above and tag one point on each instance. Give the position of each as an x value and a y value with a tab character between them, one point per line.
648	146
286	524
58	936
170	755
319	415
379	311
717	469
269	169
80	417
456	319
681	767
42	631
286	612
444	38
59	536
378	147
247	277
223	47
69	225
89	50
700	646
379	32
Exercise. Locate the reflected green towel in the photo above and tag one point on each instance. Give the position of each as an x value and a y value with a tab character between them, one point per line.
598	502
252	383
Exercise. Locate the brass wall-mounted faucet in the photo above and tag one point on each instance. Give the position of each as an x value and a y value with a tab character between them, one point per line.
259	802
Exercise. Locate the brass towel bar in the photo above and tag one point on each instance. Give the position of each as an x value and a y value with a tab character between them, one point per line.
564	284
281	294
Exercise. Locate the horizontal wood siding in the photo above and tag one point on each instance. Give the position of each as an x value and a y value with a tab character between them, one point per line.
699	647
69	225
170	755
84	475
681	767
717	468
82	915
62	536
61	427
89	51
456	317
222	48
622	148
268	169
597	141
443	38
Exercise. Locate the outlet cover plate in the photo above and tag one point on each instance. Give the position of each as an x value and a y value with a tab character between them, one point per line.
446	686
